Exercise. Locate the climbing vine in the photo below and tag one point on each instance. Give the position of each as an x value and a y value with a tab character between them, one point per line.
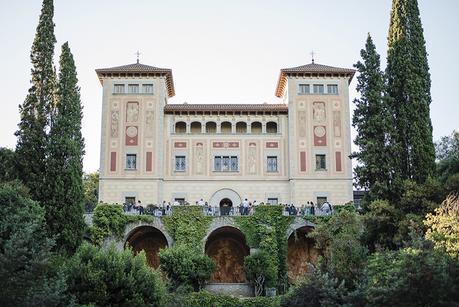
187	225
109	220
266	230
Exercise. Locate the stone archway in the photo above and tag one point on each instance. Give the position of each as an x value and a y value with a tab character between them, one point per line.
301	253
227	247
229	194
148	239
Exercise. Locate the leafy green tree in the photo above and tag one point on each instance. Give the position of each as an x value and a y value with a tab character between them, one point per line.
107	277
316	290
408	87
260	269
373	123
8	171
91	190
27	276
381	225
64	175
412	277
185	266
447	151
443	226
339	241
36	110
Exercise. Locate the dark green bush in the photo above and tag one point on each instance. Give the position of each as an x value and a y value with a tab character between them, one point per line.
315	291
186	266
261	271
207	299
412	277
107	277
27	276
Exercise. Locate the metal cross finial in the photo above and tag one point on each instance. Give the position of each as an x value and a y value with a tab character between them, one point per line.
312	56
138	55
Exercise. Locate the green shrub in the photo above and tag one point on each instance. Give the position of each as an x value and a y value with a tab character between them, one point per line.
339	240
207	299
186	266
316	290
261	271
412	277
27	276
107	277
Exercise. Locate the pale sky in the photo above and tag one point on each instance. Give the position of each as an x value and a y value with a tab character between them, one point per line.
219	51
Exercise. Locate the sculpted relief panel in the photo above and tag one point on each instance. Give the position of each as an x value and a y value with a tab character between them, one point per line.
132	112
252	158
337	123
302	124
114	126
318	111
199	158
149	123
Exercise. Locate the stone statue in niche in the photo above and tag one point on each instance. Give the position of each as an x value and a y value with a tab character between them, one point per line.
319	111
115	123
337	123
302	123
252	158
199	158
132	112
149	123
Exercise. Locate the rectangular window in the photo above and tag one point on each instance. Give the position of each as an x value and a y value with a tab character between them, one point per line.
304	89
318	88
226	164
180	163
320	162
133	88
332	89
273	201
119	89
147	88
271	164
321	200
131	161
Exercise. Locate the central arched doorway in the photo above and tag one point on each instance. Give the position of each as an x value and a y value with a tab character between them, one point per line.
301	253
225	206
227	247
220	195
148	239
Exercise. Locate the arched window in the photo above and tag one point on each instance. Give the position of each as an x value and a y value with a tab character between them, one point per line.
211	127
241	127
195	127
225	128
180	127
256	128
271	127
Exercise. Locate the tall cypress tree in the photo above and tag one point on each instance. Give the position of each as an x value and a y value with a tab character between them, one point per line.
36	110
373	123
64	177
409	91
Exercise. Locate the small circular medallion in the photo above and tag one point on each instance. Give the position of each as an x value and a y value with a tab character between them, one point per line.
131	131
319	131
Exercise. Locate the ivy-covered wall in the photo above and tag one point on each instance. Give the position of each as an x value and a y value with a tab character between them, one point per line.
265	230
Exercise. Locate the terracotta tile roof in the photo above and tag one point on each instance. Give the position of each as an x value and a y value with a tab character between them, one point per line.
138	68
266	107
312	70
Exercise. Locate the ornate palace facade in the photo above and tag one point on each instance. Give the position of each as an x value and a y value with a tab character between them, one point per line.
292	152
